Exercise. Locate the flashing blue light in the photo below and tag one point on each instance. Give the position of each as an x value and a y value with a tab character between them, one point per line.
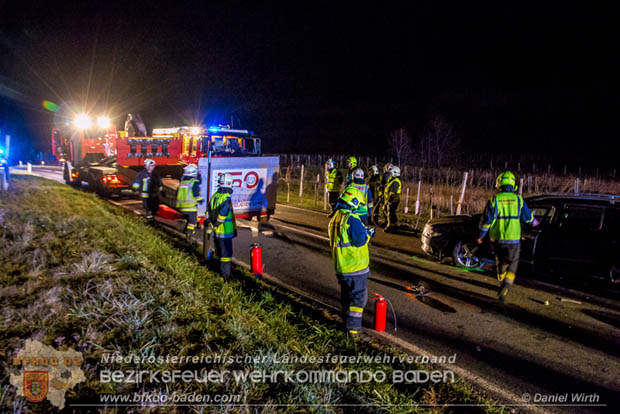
214	129
1	150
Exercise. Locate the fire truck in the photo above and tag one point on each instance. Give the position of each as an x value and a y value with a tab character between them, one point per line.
109	160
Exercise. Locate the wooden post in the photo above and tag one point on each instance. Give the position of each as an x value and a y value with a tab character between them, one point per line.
521	186
301	185
417	201
451	205
288	184
576	185
459	205
316	189
432	207
407	201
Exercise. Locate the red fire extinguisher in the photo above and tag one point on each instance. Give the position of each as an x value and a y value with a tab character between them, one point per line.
381	312
256	258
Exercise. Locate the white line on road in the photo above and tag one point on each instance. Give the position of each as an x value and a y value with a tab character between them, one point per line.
302	231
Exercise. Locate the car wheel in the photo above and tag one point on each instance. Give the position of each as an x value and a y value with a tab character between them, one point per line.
464	254
614	275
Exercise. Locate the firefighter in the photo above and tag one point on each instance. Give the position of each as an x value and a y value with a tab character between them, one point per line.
374	184
333	182
391	198
148	184
379	202
365	210
351	165
349	242
222	217
188	197
502	221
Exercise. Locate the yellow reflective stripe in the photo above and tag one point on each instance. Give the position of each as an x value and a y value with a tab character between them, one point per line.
226	259
356	309
352	331
221	218
486	226
510	276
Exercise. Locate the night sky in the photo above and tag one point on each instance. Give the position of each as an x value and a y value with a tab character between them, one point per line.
322	76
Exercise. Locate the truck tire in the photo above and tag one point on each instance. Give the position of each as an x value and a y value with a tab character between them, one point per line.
464	256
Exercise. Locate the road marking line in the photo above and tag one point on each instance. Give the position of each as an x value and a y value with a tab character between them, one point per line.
303	209
303	232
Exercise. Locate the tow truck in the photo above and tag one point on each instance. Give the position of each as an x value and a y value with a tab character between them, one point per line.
108	160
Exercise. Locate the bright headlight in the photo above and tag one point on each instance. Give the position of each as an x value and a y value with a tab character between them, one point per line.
82	121
195	130
103	122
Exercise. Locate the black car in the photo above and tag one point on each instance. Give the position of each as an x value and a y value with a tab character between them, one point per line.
578	235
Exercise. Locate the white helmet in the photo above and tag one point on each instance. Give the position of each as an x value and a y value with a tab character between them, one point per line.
330	164
374	170
395	171
190	170
148	162
358	173
225	180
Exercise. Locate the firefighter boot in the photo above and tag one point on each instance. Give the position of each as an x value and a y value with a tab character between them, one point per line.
506	285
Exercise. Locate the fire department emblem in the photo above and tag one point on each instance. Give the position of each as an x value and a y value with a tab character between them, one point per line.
36	385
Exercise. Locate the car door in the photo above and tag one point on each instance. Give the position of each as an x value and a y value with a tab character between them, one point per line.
529	234
570	246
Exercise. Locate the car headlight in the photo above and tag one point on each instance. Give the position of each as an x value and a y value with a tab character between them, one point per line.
430	231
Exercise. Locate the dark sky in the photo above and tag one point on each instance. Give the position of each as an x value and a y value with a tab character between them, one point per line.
321	76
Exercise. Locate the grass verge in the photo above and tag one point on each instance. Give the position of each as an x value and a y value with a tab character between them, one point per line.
79	273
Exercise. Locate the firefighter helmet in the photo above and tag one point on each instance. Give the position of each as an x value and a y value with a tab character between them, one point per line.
351	162
387	167
395	171
330	164
358	173
148	162
190	170
374	170
225	180
352	197
506	178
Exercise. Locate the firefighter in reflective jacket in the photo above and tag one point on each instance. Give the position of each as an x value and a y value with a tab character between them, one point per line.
349	242
222	217
351	165
502	221
148	184
333	182
379	201
374	183
365	210
188	197
391	198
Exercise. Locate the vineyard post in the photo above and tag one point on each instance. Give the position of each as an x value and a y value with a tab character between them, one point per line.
301	185
407	201
521	186
451	205
459	205
316	189
417	201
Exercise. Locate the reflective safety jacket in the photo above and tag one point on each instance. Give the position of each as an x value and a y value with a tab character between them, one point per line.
221	214
366	209
333	180
502	218
392	190
188	194
349	238
148	185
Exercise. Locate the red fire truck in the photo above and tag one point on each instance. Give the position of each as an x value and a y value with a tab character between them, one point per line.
108	160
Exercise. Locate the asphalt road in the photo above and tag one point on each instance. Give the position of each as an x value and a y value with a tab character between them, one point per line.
522	347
